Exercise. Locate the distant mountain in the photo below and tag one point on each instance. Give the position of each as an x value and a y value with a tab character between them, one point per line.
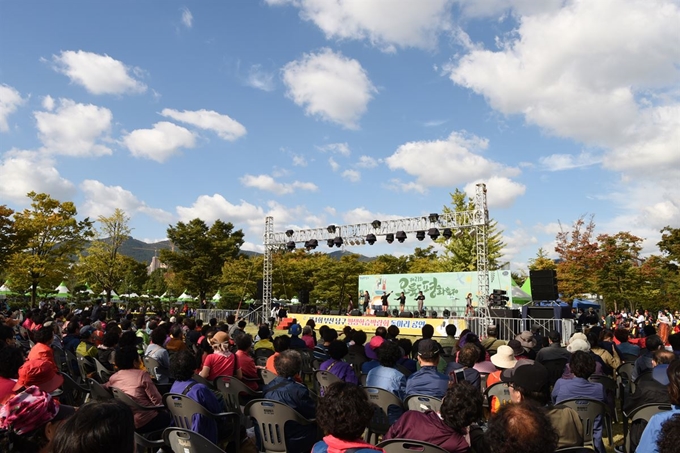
340	253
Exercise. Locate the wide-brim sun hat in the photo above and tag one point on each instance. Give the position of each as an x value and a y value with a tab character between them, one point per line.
504	357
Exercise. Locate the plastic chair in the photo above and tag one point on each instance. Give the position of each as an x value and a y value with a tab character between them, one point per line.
629	358
72	364
422	403
85	367
60	359
380	422
74	394
182	408
575	450
134	405
587	409
271	417
147	445
204	381
187	441
261	355
610	387
325	379
499	390
103	372
409	446
98	392
644	413
356	361
232	390
362	379
307	365
267	376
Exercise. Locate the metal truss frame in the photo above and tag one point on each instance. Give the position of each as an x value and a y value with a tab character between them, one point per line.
476	219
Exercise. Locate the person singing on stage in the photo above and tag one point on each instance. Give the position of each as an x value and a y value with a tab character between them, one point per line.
385	304
421	300
402	302
469	311
367	301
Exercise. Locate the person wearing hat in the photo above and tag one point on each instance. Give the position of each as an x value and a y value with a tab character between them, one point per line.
370	350
86	347
264	335
295	341
42	349
337	350
529	382
221	362
31	419
528	342
40	373
518	350
427	381
502	360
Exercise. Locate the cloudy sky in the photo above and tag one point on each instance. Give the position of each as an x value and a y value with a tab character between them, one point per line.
343	111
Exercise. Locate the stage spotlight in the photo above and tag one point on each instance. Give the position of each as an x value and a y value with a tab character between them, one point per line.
389	237
447	233
289	233
290	245
376	224
363	242
395	313
433	233
420	235
338	241
370	238
433	314
331	228
446	314
416	314
434	217
401	236
311	244
330	242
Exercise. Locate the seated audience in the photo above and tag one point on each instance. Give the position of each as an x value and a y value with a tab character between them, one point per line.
264	339
11	359
86	347
320	351
156	351
43	350
491	343
245	363
611	362
337	350
370	350
39	373
427	332
651	433
461	407
385	376
295	341
427	381
644	362
307	337
343	414
285	390
106	352
503	359
281	343
450	341
625	347
137	384
528	342
221	362
356	346
101	427
405	360
669	437
554	351
467	357
520	428
176	342
518	350
239	330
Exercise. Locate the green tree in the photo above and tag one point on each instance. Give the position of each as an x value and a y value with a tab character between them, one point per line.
239	279
7	234
577	249
200	254
133	277
156	283
542	262
460	252
669	245
387	264
424	261
619	280
103	264
48	238
336	280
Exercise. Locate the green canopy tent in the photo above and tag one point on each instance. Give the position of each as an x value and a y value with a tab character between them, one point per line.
519	297
5	291
217	297
62	291
184	297
526	287
87	290
114	296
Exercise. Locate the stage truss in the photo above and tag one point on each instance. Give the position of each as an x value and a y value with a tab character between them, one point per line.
476	220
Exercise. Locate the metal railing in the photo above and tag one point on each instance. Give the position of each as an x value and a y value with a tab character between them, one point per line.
509	328
254	316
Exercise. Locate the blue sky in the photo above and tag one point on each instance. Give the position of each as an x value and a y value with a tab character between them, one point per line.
341	111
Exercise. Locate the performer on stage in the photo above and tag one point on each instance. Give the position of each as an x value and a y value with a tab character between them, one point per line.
469	311
402	302
421	301
367	301
385	304
350	305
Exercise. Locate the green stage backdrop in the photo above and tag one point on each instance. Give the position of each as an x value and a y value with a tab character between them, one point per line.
441	290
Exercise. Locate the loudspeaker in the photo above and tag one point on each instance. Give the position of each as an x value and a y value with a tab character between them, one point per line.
355	313
303	296
506	327
337	312
260	289
310	309
505	313
544	285
433	314
539	312
382	314
406	314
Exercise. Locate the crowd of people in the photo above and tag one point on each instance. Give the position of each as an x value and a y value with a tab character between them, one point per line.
189	356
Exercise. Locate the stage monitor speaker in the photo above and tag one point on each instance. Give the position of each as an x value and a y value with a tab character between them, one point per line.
406	314
539	312
260	289
381	313
310	309
303	296
355	313
544	285
505	313
294	309
337	312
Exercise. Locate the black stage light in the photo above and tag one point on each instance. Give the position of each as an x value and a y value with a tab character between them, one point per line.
331	228
433	314
401	236
447	233
416	314
376	224
289	233
311	244
389	237
423	314
370	238
338	241
420	235
433	233
330	242
395	313
446	313
434	217
290	245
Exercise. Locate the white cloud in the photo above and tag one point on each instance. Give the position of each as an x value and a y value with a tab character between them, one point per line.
48	103
368	162
334	165
10	99
299	160
223	125
363	215
517	241
559	162
74	129
187	17
211	208
397	185
25	171
99	74
249	246
102	200
447	163
266	182
330	86
587	82
384	24
335	148
159	143
434	123
351	175
501	191
493	8
260	79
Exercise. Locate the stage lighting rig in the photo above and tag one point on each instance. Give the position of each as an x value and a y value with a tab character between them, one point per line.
370	238
330	228
289	233
401	236
420	235
433	233
434	217
447	233
338	241
311	244
330	242
389	237
376	224
290	245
